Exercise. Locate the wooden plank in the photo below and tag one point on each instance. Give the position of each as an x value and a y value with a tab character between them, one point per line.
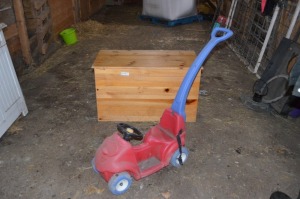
141	92
13	45
145	52
33	43
164	82
61	25
10	31
61	6
84	10
44	29
44	43
22	30
5	3
76	10
125	72
146	63
62	15
139	110
33	24
8	16
95	6
44	48
34	8
142	58
39	3
33	5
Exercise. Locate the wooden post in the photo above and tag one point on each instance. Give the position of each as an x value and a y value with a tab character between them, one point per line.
22	29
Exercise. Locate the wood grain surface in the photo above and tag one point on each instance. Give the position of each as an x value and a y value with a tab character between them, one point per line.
138	85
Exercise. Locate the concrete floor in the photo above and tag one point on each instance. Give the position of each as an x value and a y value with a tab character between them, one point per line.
234	152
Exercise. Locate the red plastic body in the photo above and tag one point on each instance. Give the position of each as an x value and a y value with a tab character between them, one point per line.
116	155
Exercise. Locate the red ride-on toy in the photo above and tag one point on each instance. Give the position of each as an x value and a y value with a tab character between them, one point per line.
117	160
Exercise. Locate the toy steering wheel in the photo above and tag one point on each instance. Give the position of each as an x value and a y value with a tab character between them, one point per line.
129	132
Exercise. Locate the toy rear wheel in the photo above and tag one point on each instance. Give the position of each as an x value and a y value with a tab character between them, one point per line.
175	157
120	183
94	166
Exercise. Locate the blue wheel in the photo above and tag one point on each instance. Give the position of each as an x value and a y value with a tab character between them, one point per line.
119	183
94	166
174	160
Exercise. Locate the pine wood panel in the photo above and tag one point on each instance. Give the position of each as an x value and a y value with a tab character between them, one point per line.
140	92
84	9
139	85
137	73
62	15
139	110
134	58
22	31
96	5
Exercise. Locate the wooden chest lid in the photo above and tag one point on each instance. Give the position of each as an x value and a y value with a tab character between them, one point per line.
144	58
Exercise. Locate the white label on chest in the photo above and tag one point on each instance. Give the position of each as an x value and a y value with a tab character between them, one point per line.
124	73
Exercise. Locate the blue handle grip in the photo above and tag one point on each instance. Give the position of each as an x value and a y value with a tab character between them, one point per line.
227	33
179	102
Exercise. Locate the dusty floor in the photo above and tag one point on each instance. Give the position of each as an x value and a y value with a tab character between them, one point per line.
234	152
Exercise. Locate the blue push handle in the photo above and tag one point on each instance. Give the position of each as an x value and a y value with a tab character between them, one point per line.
227	33
179	102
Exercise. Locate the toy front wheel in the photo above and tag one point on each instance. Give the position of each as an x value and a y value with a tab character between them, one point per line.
184	155
119	183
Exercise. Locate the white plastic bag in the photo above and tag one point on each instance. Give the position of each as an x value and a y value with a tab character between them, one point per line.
169	9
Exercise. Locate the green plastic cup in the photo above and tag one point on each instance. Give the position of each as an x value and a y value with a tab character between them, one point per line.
69	36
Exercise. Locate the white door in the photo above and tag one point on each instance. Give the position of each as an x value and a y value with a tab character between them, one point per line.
12	102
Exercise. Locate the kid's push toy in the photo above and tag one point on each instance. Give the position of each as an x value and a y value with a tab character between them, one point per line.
117	160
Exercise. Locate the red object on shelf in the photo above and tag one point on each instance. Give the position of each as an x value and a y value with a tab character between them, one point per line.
221	20
263	5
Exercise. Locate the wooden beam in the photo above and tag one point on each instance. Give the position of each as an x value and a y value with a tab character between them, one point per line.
76	10
11	31
22	29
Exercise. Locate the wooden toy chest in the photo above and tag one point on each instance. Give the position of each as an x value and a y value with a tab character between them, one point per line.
137	85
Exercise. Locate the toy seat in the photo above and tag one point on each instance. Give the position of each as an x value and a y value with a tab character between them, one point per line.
172	122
